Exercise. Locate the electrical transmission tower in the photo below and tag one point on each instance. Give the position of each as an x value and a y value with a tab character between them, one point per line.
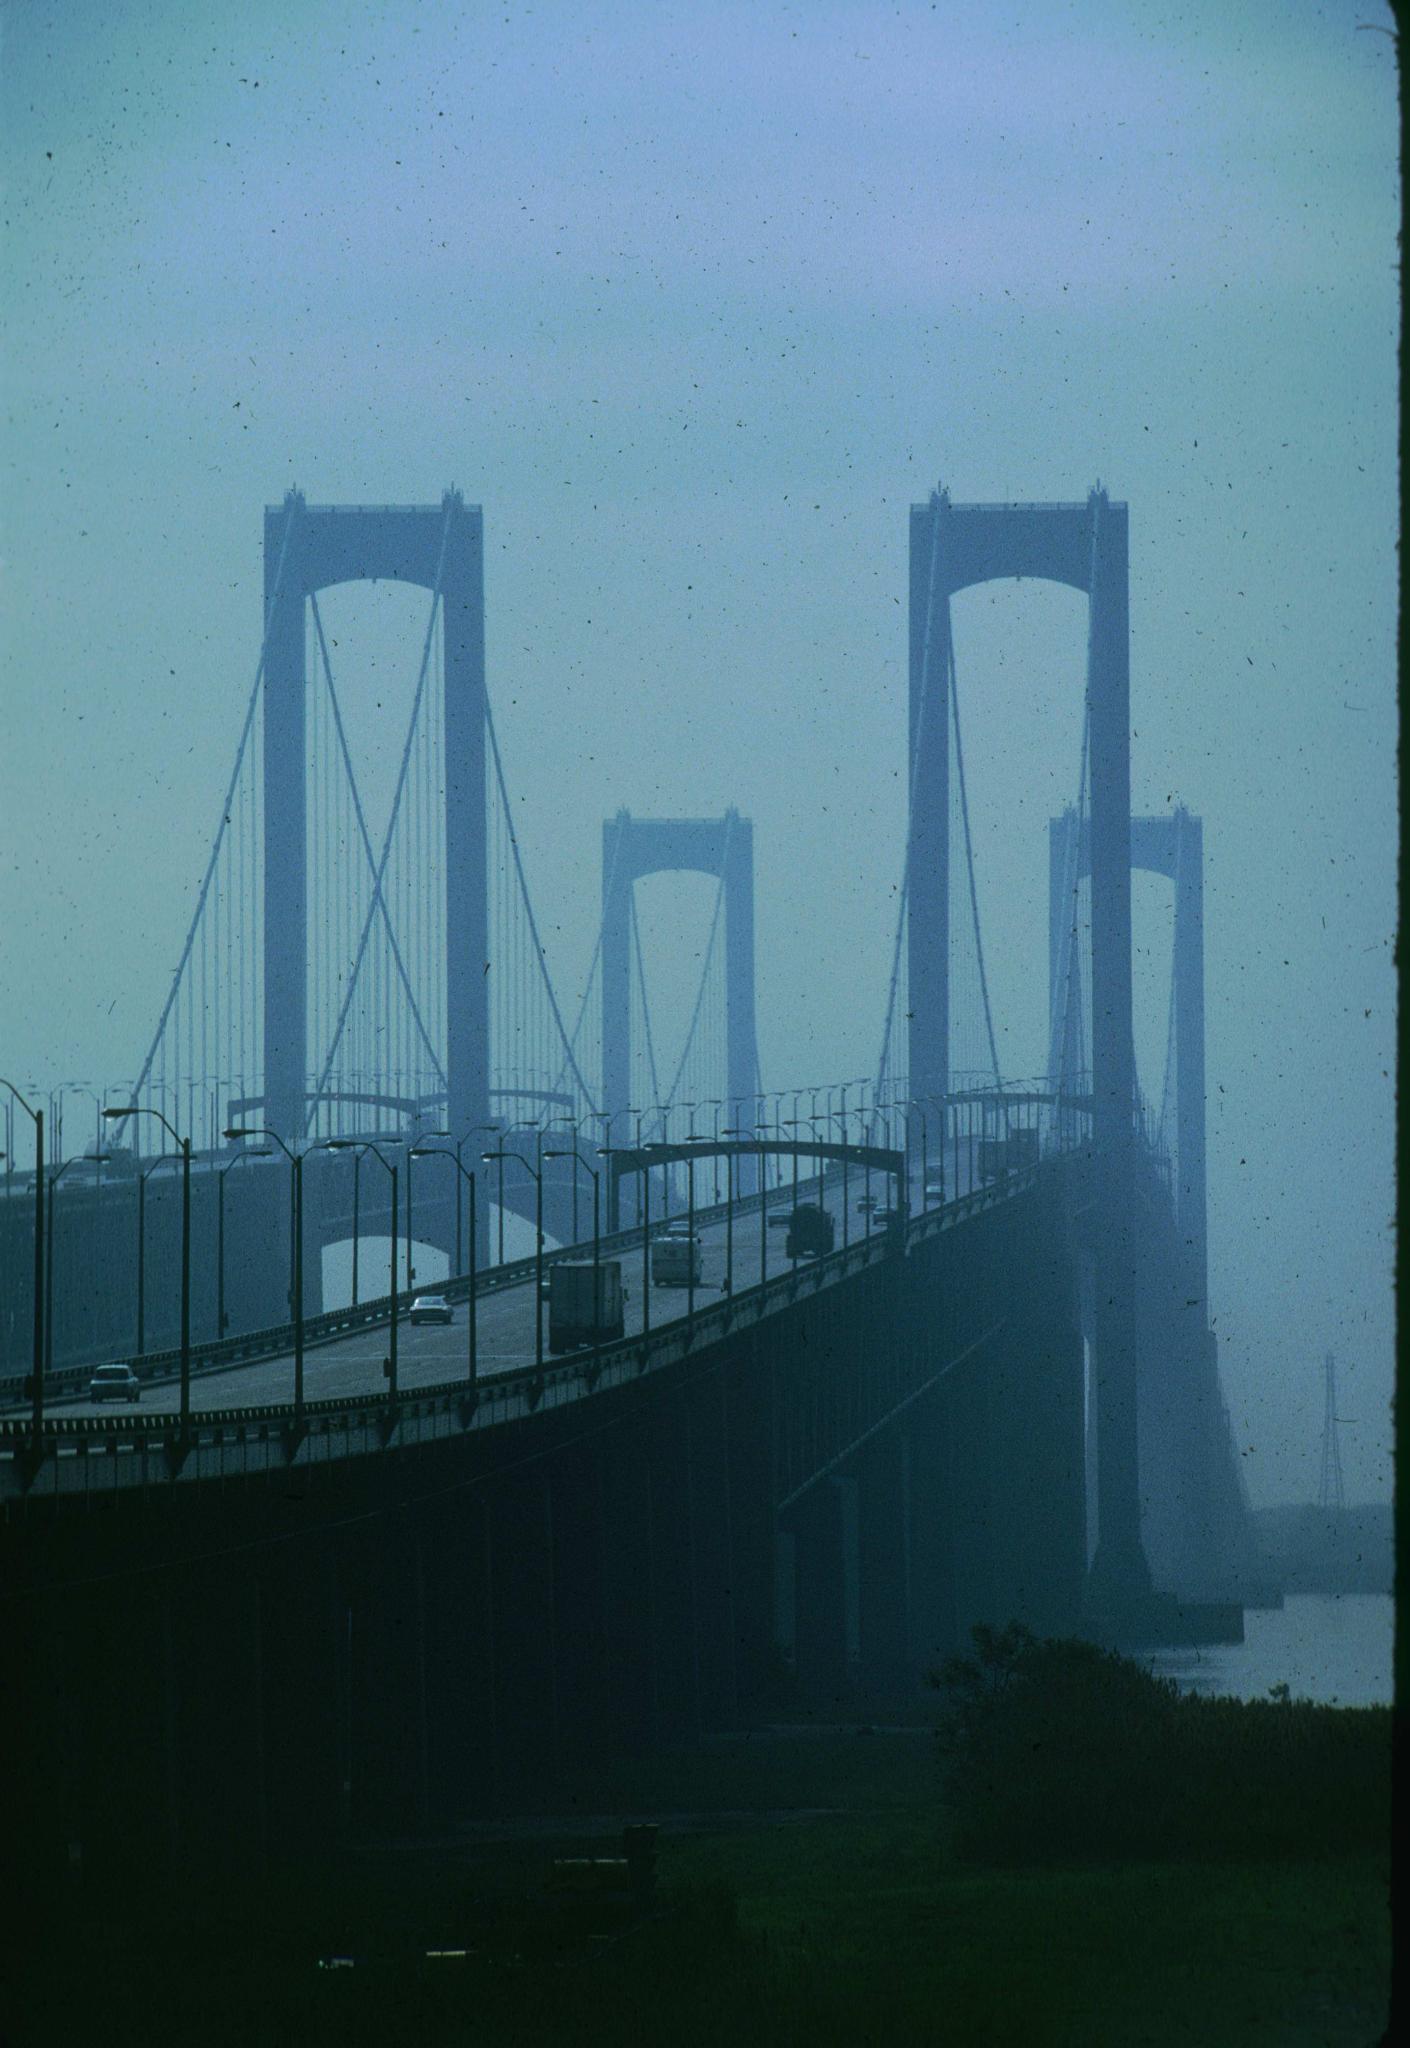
1331	1495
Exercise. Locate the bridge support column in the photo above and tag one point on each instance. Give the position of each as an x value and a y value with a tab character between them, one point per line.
1120	1574
1191	1200
973	1488
823	1524
297	1666
1039	1524
884	1562
933	1634
707	1419
752	1563
211	1645
582	1682
523	1606
629	1589
675	1576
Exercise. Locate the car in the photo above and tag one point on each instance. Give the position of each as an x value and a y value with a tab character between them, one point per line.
881	1218
432	1308
115	1383
865	1202
677	1260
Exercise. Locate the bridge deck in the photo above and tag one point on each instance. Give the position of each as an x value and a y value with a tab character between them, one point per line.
345	1387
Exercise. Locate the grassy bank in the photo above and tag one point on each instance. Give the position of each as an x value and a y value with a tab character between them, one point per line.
809	1892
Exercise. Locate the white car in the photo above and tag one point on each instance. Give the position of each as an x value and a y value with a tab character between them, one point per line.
114	1383
432	1308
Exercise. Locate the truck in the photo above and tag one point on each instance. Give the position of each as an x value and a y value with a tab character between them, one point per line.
998	1156
574	1317
811	1232
677	1259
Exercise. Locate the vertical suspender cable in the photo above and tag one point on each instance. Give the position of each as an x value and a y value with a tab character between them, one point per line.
146	1068
969	862
652	1074
526	900
885	1060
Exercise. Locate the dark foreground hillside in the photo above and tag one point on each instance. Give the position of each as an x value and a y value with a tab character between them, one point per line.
814	1885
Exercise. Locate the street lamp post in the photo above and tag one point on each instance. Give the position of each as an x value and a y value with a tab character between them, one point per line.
602	1148
464	1139
644	1176
221	1171
421	1151
792	1123
917	1103
839	1117
733	1132
938	1102
462	1173
37	1373
134	1109
663	1111
764	1222
846	1146
537	1172
716	1103
99	1158
357	1220
643	1218
641	1171
578	1161
410	1270
352	1145
690	1229
296	1199
571	1125
142	1177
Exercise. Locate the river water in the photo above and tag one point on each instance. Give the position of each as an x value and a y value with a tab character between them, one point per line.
1332	1648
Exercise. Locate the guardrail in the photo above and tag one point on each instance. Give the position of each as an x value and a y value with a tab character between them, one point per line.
370	1420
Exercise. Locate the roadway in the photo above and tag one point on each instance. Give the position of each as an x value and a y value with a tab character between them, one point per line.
432	1354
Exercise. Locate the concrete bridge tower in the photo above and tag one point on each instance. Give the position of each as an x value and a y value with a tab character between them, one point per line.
633	847
306	548
953	547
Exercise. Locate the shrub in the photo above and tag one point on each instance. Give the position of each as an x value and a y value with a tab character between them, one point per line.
1054	1749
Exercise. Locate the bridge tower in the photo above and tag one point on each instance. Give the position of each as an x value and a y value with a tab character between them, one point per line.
634	847
953	547
1172	846
1195	1527
306	548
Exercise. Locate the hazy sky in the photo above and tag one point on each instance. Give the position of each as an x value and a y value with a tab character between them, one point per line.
695	301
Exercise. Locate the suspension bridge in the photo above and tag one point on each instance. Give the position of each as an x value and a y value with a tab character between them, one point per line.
319	1522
